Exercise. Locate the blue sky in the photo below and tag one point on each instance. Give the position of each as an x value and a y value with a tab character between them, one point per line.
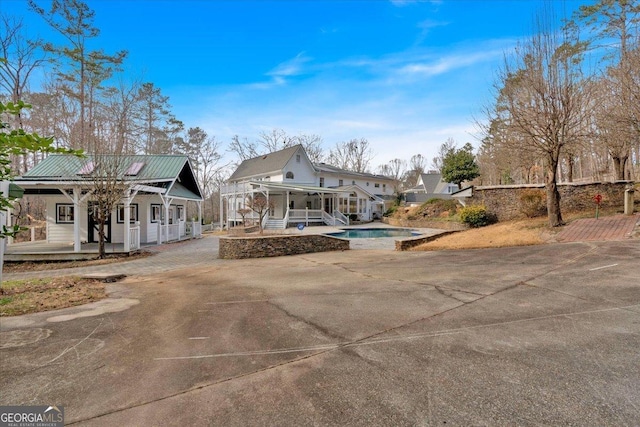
405	75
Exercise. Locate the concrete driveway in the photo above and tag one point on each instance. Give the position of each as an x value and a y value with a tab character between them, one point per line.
542	335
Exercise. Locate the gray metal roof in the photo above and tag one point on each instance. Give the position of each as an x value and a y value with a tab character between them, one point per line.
267	163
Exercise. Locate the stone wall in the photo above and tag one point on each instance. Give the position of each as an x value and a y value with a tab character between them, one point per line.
505	201
422	223
270	246
412	242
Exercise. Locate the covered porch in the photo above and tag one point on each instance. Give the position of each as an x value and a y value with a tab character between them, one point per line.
290	205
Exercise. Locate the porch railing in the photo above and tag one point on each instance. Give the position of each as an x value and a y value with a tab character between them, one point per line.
328	219
196	229
173	232
341	217
305	215
134	238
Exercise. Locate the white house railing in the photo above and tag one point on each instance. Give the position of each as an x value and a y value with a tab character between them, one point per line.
306	215
196	229
340	216
134	238
328	219
173	231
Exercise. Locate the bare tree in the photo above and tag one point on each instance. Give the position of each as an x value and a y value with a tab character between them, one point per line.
617	20
261	205
445	148
354	155
542	99
243	148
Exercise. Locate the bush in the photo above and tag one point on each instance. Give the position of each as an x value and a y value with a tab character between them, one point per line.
391	210
533	203
476	216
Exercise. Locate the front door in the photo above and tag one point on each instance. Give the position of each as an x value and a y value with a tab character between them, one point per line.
94	226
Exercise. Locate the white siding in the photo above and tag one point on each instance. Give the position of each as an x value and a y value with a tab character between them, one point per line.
63	233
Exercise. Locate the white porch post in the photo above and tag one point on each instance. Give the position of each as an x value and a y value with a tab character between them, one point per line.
166	219
221	215
77	245
127	220
200	216
4	191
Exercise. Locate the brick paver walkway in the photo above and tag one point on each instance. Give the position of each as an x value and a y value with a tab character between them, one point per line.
616	227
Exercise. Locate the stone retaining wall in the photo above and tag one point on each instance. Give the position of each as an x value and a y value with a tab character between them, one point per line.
504	201
270	246
412	242
442	225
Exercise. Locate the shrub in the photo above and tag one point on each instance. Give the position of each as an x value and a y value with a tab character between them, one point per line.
533	203
391	210
476	216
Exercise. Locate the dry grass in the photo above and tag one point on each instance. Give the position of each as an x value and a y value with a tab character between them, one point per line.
35	295
526	232
511	233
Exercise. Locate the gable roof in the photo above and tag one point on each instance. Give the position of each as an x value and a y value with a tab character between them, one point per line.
266	163
62	166
172	172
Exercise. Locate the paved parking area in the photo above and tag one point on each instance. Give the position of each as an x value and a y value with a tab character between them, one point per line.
542	335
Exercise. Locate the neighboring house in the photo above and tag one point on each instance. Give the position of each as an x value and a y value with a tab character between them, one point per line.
302	192
155	191
429	186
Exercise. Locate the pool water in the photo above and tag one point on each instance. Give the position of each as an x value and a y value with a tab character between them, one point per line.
372	233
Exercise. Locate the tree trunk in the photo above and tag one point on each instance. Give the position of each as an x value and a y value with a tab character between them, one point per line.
619	167
553	195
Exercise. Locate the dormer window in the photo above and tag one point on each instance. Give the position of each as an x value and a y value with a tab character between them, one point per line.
289	175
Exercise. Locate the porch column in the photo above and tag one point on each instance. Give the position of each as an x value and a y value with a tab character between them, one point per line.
127	220
4	190
77	245
220	216
200	216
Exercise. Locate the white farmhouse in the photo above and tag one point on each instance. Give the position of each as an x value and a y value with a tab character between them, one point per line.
302	192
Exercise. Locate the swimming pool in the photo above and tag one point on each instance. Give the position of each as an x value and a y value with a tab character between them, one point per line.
373	233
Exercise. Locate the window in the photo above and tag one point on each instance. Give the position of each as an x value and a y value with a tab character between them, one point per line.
134	168
156	213
133	210
180	210
321	181
267	178
64	214
353	183
377	185
340	183
367	184
289	175
384	187
297	158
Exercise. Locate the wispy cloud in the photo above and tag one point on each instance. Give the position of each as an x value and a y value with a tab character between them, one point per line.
291	67
448	63
402	3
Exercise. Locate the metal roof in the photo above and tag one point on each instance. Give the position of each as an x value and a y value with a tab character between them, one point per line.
58	167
